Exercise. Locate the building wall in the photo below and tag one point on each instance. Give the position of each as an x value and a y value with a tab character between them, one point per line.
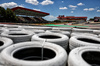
96	19
72	19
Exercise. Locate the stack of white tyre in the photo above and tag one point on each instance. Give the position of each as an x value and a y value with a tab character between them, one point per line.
78	41
36	28
4	42
82	30
48	46
11	26
3	30
56	38
29	54
85	56
59	31
62	28
18	36
86	34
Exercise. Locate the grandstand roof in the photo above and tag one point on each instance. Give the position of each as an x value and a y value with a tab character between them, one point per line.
28	12
70	17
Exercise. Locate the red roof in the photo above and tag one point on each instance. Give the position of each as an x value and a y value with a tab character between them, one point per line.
71	17
29	10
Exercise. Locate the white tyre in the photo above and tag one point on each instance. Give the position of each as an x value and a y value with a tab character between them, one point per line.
62	28
18	36
1	61
78	41
57	38
84	56
59	31
30	54
86	34
1	25
36	27
14	29
43	28
96	32
3	30
99	36
82	30
5	42
36	31
11	26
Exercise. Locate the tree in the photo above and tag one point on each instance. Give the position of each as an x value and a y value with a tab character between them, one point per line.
2	14
57	21
11	15
91	19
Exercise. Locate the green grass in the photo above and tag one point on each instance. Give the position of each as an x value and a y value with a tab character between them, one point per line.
65	25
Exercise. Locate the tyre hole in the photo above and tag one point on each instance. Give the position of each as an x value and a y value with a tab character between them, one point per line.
92	58
89	40
17	34
49	37
31	54
1	43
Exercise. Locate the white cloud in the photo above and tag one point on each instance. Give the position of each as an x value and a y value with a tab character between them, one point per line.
63	8
72	11
98	10
9	5
34	2
91	9
73	7
21	5
62	1
50	18
88	9
80	4
47	2
37	9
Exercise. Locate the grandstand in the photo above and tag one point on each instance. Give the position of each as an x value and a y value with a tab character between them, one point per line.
72	18
29	16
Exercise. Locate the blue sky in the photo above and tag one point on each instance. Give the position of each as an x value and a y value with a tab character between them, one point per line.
89	8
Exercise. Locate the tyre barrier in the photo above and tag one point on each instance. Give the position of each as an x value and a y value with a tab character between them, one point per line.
82	30
78	41
38	31
11	26
86	34
99	36
32	54
18	36
1	25
84	56
59	31
5	42
1	61
56	38
63	29
27	27
3	30
37	28
43	28
15	29
96	32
